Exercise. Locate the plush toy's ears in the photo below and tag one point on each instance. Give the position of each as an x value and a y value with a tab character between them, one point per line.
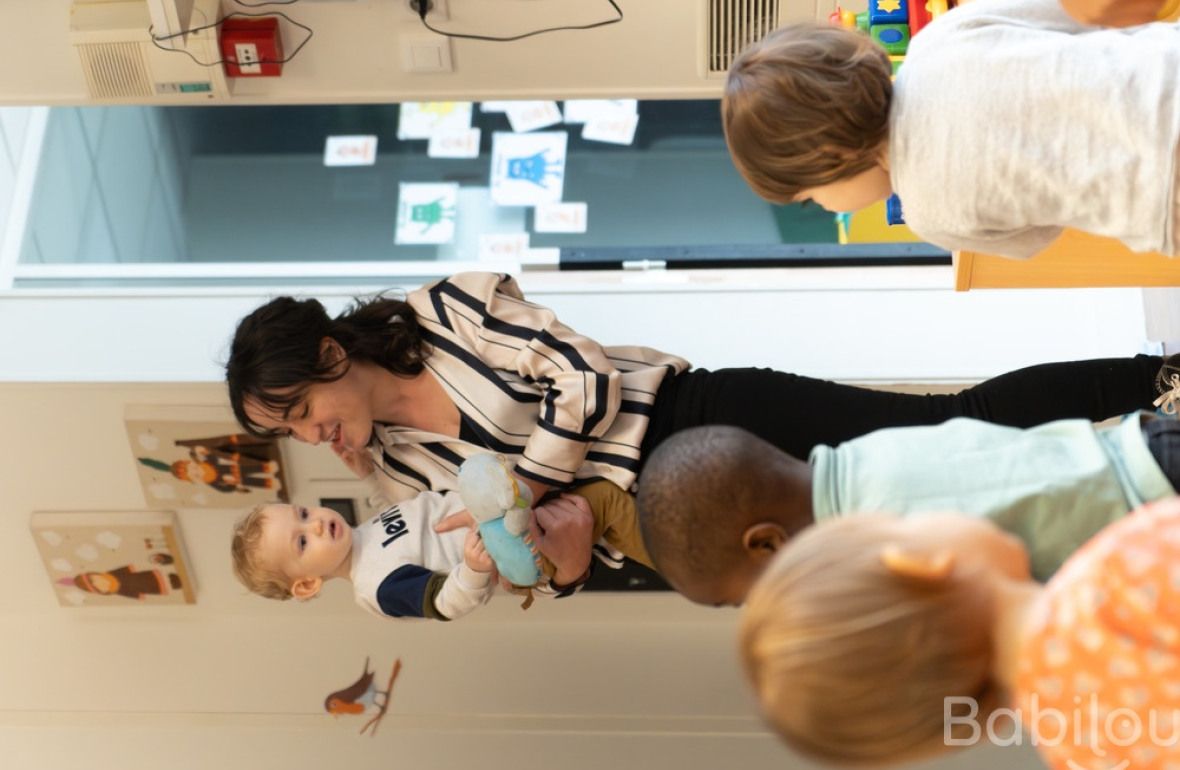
927	567
306	588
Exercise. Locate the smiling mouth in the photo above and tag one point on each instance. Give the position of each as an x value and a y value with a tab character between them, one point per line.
337	436
332	529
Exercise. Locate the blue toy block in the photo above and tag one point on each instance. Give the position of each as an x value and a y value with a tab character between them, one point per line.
889	12
894	38
893	210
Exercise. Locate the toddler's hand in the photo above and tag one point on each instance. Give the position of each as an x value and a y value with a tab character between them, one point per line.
475	556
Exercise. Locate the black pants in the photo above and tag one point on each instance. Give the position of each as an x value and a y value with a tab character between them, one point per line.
1163	439
796	413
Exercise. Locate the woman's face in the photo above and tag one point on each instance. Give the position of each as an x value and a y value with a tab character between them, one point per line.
337	413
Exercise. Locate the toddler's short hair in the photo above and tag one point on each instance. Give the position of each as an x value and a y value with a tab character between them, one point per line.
851	662
806	106
248	567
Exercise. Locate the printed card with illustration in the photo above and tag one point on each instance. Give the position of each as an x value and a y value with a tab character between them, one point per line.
198	457
113	558
426	212
418	120
528	169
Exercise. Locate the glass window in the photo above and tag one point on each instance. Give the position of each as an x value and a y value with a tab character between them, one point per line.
248	185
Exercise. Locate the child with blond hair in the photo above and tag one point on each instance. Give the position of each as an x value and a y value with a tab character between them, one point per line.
400	566
879	639
1008	121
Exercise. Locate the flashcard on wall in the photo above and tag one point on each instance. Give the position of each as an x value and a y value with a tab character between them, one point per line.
426	212
502	247
559	218
585	110
528	169
350	151
494	106
529	116
460	143
418	120
618	129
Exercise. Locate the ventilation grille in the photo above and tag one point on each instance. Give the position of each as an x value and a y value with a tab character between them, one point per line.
733	25
115	70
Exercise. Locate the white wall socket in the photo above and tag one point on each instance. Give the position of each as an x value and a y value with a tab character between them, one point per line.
247	56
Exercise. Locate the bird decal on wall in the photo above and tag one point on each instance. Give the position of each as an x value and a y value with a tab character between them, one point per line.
362	697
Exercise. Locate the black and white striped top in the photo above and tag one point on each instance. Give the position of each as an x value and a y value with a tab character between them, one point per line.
558	403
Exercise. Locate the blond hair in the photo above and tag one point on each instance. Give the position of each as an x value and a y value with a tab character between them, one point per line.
249	568
806	106
851	662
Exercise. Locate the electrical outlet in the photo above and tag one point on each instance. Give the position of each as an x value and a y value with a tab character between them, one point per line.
436	10
247	56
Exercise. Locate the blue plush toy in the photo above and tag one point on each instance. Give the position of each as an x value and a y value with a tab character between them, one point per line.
500	506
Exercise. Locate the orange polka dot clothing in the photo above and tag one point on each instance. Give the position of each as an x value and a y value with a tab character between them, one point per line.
1099	679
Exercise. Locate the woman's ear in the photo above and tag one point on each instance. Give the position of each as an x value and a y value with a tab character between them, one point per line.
926	567
306	588
763	540
332	353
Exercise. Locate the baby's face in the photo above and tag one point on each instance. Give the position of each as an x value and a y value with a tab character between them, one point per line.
306	542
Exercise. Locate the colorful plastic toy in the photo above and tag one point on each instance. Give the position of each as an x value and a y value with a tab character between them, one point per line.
894	38
888	12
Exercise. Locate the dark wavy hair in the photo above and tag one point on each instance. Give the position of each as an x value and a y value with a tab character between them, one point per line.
276	351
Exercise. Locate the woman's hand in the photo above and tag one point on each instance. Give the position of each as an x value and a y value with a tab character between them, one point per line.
360	462
562	530
1114	13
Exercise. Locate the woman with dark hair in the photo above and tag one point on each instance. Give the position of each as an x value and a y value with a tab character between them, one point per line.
411	388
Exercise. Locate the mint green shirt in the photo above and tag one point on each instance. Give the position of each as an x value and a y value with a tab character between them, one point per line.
1053	486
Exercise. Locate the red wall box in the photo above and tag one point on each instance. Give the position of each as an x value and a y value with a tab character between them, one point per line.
263	59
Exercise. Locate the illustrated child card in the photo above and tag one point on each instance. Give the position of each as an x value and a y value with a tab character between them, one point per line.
198	457
528	169
418	120
426	212
113	558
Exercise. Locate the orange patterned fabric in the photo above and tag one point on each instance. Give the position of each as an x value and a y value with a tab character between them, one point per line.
1099	680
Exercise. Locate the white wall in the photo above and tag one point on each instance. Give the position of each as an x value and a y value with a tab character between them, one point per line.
235	681
883	324
356	53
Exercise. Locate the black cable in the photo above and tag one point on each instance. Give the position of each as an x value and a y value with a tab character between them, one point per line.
264	3
423	9
157	38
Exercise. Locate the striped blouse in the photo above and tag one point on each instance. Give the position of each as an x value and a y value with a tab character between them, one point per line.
557	403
